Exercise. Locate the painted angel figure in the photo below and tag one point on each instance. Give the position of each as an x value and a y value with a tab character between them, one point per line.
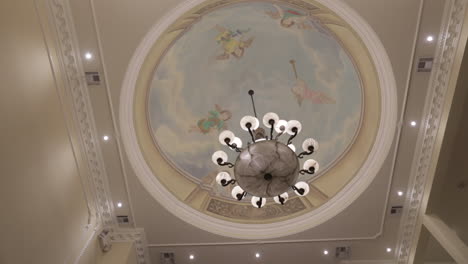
232	42
302	91
216	120
289	17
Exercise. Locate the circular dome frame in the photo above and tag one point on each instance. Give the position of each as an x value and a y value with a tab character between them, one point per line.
350	192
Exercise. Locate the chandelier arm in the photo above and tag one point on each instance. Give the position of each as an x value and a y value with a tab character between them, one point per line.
292	137
229	164
229	182
251	134
278	135
301	191
251	93
306	171
271	129
304	153
233	147
281	199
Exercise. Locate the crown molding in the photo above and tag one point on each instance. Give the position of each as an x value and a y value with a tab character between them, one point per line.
421	173
138	237
68	66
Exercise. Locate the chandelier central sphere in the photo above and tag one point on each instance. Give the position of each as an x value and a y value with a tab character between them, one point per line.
266	167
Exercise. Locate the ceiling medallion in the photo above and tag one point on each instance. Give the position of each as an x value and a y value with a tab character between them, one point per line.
266	167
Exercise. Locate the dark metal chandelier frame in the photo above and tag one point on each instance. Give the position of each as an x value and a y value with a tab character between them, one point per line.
266	167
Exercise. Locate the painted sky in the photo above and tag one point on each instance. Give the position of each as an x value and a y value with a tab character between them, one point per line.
195	75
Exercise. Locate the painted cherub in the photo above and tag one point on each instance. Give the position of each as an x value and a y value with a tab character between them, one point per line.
302	91
232	42
216	120
289	17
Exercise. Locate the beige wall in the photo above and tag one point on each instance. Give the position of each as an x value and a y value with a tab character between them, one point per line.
43	207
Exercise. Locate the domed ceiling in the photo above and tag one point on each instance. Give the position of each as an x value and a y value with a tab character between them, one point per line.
304	62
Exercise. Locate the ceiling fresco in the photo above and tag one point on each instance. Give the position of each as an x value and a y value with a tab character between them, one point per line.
304	63
295	65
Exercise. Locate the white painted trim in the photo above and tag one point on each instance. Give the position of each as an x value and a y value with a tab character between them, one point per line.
449	38
375	261
112	112
62	21
136	235
447	238
331	208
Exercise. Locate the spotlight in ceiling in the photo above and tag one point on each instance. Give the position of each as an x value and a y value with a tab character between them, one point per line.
105	137
430	38
400	193
413	123
119	204
88	55
257	255
389	250
277	172
191	256
325	252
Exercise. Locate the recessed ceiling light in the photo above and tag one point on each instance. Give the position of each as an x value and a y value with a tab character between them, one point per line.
389	250
400	193
257	255
430	38
325	252
88	55
105	137
413	123
119	204
191	256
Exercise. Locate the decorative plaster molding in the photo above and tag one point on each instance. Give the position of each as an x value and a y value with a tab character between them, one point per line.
338	203
61	18
443	62
97	185
136	235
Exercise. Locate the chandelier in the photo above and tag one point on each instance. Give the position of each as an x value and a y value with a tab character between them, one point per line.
266	167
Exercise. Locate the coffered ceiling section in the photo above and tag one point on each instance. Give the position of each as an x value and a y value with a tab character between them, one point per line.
314	61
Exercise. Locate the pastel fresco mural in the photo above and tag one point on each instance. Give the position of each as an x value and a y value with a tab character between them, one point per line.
295	65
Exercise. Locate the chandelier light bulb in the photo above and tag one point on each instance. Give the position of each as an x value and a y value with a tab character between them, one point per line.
281	199
294	124
269	117
253	121
258	202
311	165
237	141
226	134
301	188
281	126
292	147
223	177
238	193
219	155
310	142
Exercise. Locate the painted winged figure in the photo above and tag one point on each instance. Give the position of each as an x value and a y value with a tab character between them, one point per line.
302	91
232	42
290	17
216	120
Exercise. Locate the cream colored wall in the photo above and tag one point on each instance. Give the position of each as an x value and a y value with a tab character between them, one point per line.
43	207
